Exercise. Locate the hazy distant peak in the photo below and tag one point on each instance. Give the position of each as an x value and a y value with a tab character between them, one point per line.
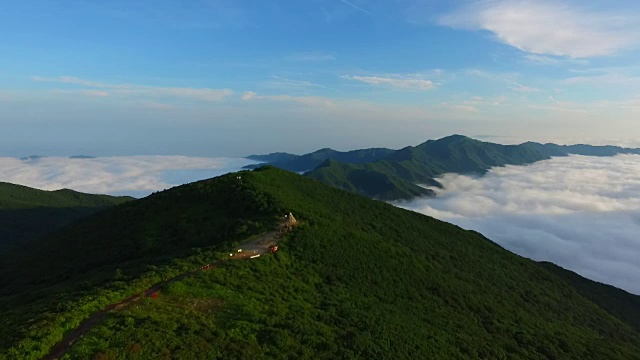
32	157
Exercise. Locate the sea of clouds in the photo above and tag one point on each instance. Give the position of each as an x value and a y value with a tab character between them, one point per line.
582	213
119	175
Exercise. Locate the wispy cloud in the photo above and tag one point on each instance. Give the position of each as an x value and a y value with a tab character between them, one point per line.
473	104
356	7
605	76
304	100
286	82
84	92
538	59
547	211
562	106
398	82
522	88
206	94
248	95
546	27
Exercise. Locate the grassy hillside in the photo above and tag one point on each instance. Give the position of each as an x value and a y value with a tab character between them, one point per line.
27	213
358	279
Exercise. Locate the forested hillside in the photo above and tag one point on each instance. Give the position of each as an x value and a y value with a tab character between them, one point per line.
402	170
301	163
357	279
27	213
399	174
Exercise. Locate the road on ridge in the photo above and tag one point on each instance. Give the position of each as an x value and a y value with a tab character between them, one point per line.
258	246
61	348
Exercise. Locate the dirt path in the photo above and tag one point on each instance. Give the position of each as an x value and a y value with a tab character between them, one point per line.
259	246
61	348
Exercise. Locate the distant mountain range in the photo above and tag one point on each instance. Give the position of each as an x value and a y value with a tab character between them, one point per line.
403	174
38	157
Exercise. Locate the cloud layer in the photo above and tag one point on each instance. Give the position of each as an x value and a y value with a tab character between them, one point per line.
106	89
550	27
407	83
582	213
121	175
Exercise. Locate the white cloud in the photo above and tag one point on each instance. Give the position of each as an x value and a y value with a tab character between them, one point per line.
413	83
282	82
582	213
248	95
522	88
546	27
206	94
119	175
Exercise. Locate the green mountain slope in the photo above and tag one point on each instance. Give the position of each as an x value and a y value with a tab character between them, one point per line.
27	213
358	279
393	175
372	180
619	303
312	160
420	164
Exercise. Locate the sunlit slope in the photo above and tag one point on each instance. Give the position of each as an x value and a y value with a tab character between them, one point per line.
395	177
27	213
363	279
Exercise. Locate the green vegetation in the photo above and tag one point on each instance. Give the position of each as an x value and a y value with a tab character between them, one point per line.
617	302
312	160
26	213
395	177
48	286
273	157
367	179
392	175
358	279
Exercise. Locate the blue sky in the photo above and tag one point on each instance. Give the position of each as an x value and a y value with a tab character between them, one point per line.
228	78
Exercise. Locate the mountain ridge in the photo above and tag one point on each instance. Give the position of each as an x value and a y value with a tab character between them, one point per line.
27	213
411	166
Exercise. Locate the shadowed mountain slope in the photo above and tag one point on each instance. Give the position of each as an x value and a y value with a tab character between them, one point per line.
301	163
27	213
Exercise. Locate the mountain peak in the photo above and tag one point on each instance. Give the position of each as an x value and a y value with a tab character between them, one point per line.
453	138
